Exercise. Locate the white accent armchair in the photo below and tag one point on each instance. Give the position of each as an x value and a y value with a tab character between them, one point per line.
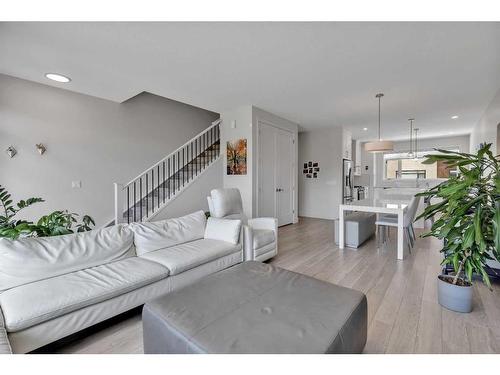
260	235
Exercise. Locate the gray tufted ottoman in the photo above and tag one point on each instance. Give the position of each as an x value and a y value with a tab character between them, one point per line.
257	308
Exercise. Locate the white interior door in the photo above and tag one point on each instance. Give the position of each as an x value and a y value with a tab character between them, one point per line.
275	173
284	172
267	171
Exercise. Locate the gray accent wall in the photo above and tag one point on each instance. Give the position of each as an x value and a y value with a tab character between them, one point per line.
320	197
91	140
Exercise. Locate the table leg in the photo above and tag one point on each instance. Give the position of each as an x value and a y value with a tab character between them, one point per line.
341	228
400	236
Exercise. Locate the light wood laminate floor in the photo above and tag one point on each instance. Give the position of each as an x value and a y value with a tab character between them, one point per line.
403	313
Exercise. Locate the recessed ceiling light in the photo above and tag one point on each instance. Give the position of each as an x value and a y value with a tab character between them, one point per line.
454	117
57	77
365	129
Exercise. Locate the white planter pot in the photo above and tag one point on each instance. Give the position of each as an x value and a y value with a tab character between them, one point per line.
454	297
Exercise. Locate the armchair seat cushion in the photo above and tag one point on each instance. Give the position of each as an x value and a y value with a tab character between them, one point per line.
189	255
40	301
262	237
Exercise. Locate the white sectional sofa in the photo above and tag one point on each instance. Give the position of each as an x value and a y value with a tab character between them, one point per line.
53	287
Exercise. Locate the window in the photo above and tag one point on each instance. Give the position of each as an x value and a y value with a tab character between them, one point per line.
400	166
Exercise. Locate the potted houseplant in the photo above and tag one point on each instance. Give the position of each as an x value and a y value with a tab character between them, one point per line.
468	222
54	224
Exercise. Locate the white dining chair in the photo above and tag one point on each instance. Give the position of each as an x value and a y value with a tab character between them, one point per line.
388	221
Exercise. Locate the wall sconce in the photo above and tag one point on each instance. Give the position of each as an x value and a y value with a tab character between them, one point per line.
40	148
11	151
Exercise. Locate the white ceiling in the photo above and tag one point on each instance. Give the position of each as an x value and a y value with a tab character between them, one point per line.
316	74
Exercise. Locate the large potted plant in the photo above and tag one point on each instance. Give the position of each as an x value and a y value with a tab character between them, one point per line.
54	224
468	222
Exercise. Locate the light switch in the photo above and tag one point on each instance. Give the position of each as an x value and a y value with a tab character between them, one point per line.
233	124
76	184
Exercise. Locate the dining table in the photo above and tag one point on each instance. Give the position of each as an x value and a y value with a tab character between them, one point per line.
388	204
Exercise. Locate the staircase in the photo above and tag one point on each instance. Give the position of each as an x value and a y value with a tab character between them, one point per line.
144	196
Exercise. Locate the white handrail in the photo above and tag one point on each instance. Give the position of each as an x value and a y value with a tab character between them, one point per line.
214	124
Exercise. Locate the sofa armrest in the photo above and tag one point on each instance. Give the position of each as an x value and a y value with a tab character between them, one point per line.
269	223
266	223
4	340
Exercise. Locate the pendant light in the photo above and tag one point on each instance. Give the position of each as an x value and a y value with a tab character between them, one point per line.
380	145
416	144
411	153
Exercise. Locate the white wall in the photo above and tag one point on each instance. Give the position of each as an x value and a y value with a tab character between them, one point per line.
487	127
194	197
242	122
241	119
321	197
91	140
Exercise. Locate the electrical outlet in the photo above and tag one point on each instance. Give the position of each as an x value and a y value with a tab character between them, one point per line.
76	184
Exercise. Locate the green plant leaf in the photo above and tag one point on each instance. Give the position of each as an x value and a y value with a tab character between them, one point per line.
468	270
455	261
477	227
28	202
468	238
496	227
486	278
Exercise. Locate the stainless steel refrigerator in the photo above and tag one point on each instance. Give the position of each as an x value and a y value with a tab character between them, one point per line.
347	181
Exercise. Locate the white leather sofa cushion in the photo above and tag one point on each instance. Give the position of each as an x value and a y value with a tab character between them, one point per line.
223	230
4	343
37	302
30	259
262	237
185	256
226	202
152	236
4	340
